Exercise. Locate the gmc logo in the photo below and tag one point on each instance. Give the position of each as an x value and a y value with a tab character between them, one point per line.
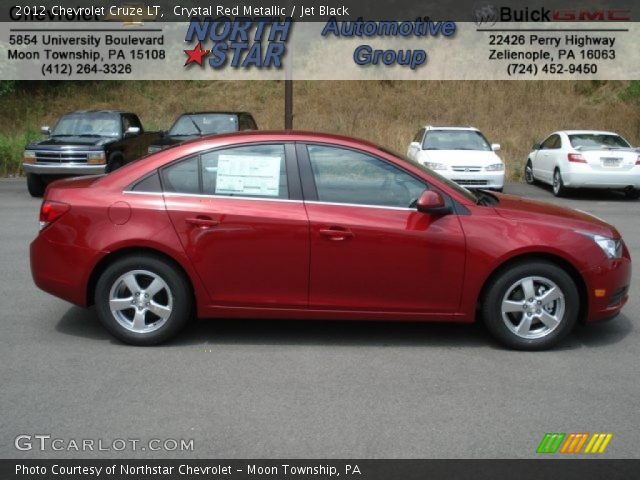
600	15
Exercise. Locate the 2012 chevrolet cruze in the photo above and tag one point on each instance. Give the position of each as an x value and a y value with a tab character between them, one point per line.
314	226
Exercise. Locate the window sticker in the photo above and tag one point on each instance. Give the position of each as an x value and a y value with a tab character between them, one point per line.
248	175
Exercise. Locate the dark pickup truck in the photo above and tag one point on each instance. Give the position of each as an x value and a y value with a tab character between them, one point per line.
86	142
198	124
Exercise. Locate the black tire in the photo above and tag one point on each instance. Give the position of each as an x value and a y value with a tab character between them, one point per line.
528	173
557	185
35	185
178	297
566	308
114	163
632	194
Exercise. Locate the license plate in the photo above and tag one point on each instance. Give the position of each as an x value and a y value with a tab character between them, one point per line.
611	162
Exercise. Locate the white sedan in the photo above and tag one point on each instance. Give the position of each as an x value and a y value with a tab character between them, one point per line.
585	158
461	154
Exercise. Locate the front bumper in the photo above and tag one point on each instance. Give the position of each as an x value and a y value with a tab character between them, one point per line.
492	180
607	288
63	169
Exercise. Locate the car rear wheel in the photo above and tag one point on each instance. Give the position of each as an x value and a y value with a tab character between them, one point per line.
559	190
35	185
531	306
528	173
143	300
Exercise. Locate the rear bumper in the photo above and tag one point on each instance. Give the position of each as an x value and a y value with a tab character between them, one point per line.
588	178
63	169
493	180
607	288
61	270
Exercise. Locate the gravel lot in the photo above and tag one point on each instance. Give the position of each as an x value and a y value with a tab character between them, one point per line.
308	389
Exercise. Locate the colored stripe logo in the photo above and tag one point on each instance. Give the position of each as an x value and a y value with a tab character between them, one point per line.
572	443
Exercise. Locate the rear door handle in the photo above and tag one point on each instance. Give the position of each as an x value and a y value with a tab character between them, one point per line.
336	233
202	222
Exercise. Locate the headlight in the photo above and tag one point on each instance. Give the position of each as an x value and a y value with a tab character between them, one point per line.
96	158
611	248
495	167
29	156
435	166
154	149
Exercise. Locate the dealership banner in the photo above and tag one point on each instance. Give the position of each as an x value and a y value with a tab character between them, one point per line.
332	41
286	469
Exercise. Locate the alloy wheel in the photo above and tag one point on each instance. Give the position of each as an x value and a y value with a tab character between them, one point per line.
140	301
533	307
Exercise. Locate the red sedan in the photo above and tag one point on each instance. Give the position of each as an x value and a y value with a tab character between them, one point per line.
313	226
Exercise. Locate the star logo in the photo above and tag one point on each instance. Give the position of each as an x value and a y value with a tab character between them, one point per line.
196	55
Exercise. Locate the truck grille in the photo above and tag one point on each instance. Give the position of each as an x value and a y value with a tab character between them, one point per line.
466	168
61	157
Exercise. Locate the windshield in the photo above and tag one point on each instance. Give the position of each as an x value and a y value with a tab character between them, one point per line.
97	124
204	124
466	193
455	140
593	140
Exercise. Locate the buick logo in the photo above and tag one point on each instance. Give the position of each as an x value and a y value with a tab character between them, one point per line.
486	15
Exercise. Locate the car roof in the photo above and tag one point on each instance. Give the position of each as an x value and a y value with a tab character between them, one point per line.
586	132
279	135
444	127
98	111
216	112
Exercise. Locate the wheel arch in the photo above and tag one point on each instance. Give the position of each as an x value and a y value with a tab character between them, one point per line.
131	251
557	260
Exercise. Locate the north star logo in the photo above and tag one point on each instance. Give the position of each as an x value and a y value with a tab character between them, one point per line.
240	43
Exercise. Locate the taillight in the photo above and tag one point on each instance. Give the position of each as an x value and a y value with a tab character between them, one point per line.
638	160
576	158
51	211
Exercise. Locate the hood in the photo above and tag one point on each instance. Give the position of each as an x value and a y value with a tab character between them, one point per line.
476	158
516	208
56	143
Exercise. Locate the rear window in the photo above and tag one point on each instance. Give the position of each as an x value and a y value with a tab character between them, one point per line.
590	140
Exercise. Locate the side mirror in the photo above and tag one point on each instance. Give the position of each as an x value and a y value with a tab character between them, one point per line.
536	146
495	147
132	131
45	130
432	202
415	144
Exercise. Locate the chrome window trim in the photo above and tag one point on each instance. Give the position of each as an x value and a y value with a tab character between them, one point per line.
314	202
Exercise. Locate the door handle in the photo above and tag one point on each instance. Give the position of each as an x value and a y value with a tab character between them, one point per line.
202	222
336	233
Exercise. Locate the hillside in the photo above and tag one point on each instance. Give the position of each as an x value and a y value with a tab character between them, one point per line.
514	114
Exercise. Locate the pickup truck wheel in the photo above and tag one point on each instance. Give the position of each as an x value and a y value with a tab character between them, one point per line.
143	300
114	163
531	306
35	185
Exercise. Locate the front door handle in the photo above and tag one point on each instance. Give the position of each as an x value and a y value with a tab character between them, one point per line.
202	222
336	233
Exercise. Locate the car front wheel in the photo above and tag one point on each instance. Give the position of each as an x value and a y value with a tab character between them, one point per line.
528	173
143	300
531	306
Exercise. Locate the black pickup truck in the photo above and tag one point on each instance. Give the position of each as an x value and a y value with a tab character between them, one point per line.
198	124
86	142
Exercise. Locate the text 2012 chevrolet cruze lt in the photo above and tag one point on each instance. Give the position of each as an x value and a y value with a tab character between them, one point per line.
313	226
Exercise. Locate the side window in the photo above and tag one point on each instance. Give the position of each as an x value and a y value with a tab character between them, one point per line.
552	142
347	176
134	121
251	171
151	183
182	176
252	123
419	135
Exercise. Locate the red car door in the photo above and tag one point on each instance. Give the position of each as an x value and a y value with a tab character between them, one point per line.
370	248
240	218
